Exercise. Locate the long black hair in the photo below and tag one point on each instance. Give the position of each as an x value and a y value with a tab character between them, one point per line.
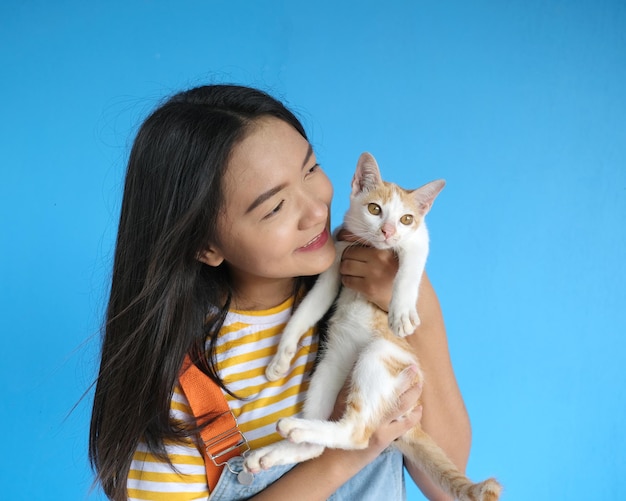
160	293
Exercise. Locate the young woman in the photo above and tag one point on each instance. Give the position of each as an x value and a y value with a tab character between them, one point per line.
224	224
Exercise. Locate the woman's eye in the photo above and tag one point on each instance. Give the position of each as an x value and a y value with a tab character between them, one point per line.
275	210
313	169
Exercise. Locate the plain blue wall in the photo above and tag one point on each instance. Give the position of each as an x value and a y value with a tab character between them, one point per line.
520	105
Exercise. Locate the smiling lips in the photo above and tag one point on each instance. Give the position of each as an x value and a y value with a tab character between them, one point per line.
317	243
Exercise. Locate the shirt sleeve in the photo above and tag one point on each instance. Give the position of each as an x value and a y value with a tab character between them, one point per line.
152	479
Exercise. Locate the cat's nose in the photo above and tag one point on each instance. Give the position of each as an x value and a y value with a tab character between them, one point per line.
389	230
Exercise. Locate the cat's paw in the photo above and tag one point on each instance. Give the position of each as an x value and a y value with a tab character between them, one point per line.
296	431
279	366
403	319
276	370
261	459
280	453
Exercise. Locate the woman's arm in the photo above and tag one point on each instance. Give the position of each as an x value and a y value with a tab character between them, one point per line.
444	417
371	272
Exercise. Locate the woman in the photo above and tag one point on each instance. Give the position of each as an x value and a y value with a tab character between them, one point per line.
224	223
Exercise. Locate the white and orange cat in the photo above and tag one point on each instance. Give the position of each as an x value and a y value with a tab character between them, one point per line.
366	344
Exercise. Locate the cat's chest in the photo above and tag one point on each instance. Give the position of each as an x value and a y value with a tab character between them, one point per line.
354	314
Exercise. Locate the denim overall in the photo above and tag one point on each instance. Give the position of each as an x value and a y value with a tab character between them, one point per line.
381	479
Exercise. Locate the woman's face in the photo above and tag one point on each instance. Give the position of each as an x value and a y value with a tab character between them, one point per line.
274	224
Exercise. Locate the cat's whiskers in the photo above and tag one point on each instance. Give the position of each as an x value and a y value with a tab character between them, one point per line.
360	229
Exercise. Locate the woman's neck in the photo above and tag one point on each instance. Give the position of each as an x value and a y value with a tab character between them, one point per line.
262	295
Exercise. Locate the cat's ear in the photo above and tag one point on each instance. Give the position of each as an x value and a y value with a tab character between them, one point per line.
367	174
425	196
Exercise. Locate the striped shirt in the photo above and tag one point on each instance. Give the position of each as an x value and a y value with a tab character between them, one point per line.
246	344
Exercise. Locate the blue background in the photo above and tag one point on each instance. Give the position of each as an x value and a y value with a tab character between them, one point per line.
519	105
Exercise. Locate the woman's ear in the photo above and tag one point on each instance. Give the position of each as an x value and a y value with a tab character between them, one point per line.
211	256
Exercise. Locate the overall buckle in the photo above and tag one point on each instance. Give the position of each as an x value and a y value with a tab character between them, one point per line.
226	442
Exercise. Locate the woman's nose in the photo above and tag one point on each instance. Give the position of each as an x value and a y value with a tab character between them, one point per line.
314	212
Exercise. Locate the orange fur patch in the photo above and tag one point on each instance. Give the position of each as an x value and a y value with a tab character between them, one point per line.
354	405
394	366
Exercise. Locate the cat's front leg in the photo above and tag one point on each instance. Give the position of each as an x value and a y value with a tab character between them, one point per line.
279	366
313	307
403	316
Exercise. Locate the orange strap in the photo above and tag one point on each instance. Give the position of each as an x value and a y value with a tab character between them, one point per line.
222	438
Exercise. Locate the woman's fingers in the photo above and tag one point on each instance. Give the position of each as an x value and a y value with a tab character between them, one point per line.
370	272
410	391
347	236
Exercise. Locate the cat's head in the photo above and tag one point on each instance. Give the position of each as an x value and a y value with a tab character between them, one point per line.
381	213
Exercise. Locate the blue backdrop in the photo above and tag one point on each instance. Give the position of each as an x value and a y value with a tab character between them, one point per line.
519	105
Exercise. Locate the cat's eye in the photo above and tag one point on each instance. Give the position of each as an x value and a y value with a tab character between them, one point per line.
374	209
407	219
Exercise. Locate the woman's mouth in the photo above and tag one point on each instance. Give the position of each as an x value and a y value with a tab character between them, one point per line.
317	243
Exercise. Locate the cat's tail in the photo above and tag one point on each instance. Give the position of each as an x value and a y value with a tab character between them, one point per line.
419	448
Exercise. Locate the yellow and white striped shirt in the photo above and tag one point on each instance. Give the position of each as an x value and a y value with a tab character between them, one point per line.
246	344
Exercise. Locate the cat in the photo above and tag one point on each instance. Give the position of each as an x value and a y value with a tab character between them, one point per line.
366	344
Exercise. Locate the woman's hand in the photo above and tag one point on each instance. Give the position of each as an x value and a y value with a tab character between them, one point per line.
368	270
